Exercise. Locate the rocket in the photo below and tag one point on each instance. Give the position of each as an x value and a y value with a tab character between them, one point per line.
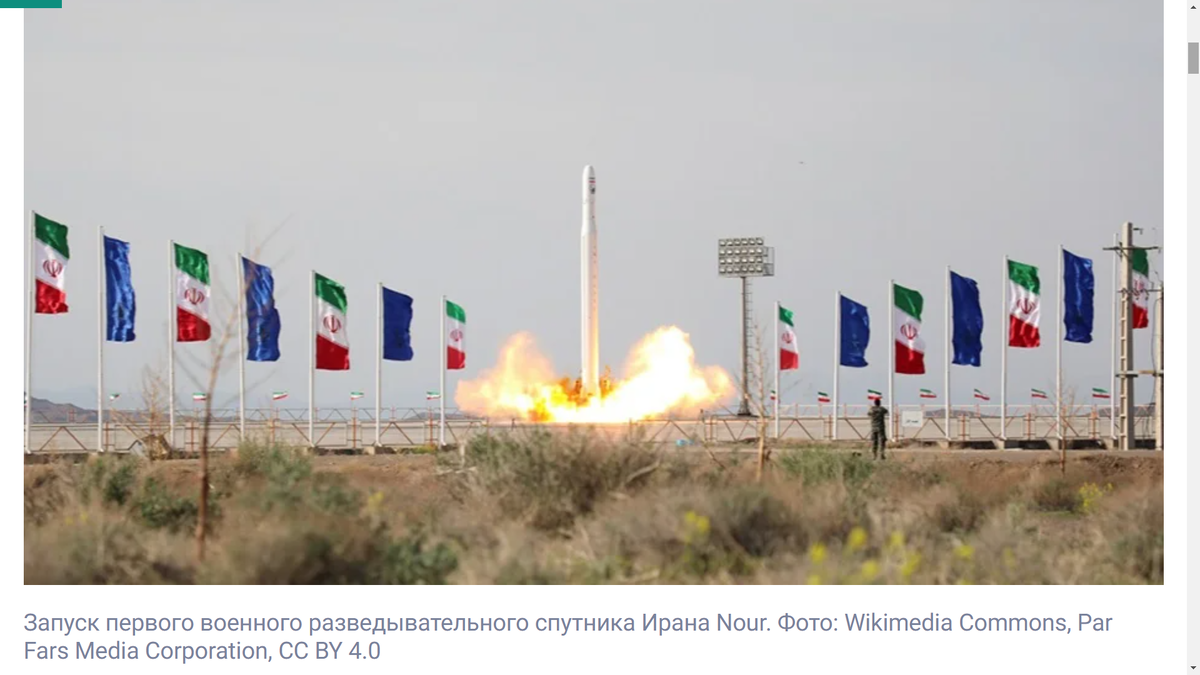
590	301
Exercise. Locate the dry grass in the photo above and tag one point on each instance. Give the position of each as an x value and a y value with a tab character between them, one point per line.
574	509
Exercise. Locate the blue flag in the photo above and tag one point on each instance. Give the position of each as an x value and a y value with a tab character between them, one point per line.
397	322
856	333
968	321
262	318
1079	289
122	306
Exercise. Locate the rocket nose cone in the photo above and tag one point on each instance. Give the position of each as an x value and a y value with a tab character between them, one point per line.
589	183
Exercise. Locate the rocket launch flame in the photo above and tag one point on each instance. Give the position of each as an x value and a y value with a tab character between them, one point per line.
660	376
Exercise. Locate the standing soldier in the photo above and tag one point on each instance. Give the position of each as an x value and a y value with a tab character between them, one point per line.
878	415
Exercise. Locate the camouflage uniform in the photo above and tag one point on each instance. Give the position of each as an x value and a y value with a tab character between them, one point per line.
878	415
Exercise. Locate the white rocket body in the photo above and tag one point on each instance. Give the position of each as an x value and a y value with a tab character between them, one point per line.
590	306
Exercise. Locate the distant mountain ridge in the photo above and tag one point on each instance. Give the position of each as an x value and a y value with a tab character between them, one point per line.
49	411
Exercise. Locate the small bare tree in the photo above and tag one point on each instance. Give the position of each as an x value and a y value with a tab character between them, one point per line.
156	401
218	357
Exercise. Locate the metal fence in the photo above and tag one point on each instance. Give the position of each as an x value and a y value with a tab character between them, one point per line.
354	429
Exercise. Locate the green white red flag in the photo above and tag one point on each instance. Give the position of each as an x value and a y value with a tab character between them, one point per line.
789	350
982	396
928	393
192	290
1038	393
51	255
1024	305
873	395
1141	288
822	397
906	317
333	344
279	395
456	351
1097	392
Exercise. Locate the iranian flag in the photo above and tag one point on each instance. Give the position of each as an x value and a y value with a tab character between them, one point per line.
333	344
1097	392
355	395
873	395
279	395
928	393
456	352
1141	288
982	396
1038	393
822	397
1024	305
789	351
432	395
191	295
199	396
906	316
50	265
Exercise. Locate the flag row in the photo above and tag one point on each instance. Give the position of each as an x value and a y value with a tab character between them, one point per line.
1023	299
192	303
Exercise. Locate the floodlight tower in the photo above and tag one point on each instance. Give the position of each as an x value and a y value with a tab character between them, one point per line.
743	258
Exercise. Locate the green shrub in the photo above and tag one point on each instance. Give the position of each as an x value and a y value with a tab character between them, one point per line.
755	521
325	550
815	466
111	479
551	479
963	514
158	508
1056	495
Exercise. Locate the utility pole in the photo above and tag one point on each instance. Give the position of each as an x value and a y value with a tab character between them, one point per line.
1126	428
1125	372
1158	366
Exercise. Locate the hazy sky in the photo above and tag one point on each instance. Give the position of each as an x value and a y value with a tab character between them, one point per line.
439	150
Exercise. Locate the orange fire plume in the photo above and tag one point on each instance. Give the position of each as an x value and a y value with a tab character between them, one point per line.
661	376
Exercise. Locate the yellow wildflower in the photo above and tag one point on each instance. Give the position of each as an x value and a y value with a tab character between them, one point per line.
814	580
816	553
870	570
911	562
965	551
897	540
857	539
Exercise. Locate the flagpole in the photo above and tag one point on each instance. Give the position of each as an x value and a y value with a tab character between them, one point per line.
1112	401
312	356
100	341
241	319
891	302
837	357
949	349
442	379
378	356
1058	405
171	335
1004	355
30	305
778	366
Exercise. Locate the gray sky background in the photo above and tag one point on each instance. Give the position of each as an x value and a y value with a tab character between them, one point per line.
439	150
